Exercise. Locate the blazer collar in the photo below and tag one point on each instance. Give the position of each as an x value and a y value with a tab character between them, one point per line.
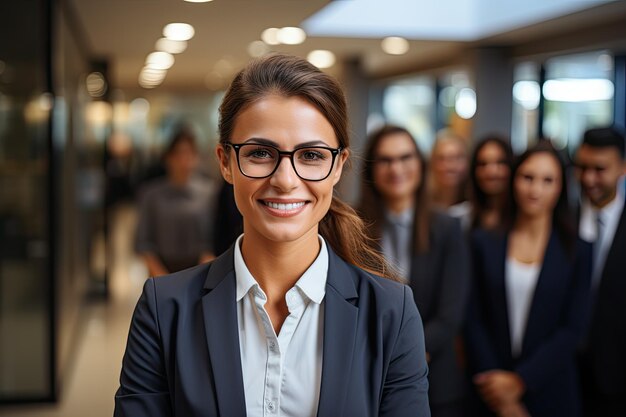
340	327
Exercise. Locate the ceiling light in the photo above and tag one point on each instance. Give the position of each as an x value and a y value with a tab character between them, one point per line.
96	84
170	46
527	93
465	105
577	90
321	58
198	1
159	60
178	31
151	74
395	45
291	35
270	36
257	49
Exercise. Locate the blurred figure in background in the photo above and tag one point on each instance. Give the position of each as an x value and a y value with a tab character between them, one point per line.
600	169
176	212
428	250
490	172
449	167
529	299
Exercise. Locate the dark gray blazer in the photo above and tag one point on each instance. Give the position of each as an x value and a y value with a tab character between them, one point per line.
440	280
182	357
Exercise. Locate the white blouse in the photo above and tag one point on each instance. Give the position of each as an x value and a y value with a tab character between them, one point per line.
520	282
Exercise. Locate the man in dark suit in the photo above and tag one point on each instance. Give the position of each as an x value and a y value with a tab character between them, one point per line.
600	169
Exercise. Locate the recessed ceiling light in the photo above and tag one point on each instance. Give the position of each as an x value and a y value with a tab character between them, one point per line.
321	58
198	1
291	35
159	60
178	31
170	46
395	45
270	36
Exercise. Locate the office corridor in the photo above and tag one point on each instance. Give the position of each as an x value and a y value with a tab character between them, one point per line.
94	376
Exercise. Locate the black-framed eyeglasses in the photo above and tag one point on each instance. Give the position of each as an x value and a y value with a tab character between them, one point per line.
311	163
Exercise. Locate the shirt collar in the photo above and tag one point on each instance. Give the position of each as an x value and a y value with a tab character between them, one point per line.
405	218
312	283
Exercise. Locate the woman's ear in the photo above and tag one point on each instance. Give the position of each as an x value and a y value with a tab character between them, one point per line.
341	160
224	161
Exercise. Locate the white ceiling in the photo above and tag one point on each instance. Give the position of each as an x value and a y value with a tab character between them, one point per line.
124	31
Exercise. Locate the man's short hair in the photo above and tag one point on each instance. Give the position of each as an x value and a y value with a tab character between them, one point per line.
604	137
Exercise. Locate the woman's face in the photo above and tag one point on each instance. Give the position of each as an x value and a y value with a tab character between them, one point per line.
449	163
492	171
396	167
282	207
537	184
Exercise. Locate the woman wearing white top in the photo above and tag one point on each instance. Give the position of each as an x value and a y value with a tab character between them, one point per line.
529	299
288	322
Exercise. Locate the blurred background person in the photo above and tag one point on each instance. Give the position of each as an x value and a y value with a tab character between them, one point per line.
529	297
428	250
490	171
449	167
600	169
175	213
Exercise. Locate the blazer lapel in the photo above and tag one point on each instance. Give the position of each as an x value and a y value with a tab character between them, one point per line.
340	325
219	309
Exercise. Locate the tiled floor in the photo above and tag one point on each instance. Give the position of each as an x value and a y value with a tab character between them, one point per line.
93	379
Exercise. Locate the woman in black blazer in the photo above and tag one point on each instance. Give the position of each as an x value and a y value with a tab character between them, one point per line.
298	318
428	249
529	299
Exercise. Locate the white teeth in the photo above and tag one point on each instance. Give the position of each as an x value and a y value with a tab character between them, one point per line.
288	206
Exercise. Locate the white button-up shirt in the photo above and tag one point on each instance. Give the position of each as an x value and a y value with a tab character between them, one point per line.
609	216
282	373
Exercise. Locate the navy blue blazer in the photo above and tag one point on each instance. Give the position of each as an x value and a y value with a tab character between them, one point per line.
183	359
547	363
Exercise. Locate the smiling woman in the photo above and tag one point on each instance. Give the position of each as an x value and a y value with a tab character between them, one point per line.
289	321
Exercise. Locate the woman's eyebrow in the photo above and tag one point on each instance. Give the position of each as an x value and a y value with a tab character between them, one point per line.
263	141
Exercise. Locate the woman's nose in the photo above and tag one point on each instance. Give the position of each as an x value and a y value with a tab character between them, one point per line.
284	178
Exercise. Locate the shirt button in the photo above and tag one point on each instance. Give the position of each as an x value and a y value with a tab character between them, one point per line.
270	406
272	345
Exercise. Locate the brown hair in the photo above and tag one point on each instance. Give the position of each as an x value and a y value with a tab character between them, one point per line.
371	207
290	76
447	135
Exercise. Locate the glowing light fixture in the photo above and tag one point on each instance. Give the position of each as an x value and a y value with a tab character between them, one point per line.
270	36
170	46
291	35
527	93
321	58
395	45
465	105
96	84
178	31
576	90
160	60
198	1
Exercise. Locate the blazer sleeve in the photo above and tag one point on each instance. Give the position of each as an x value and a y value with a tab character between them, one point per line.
441	328
555	353
143	390
481	355
405	391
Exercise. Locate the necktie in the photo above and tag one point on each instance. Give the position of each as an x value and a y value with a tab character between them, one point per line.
597	251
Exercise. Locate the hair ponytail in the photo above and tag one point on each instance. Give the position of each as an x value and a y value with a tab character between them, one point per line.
345	232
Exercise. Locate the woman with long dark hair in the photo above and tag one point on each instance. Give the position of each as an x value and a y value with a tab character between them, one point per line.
529	298
426	247
297	317
490	171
